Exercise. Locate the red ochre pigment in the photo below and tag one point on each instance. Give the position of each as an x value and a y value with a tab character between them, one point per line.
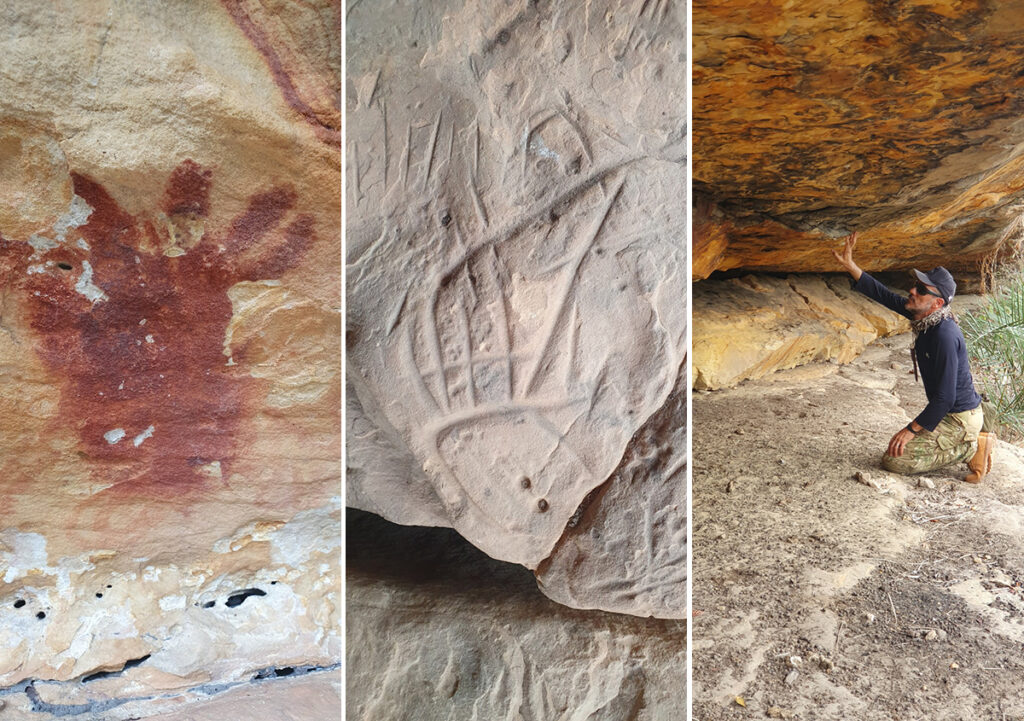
151	354
281	74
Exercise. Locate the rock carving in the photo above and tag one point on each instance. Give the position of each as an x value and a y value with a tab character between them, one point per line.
516	261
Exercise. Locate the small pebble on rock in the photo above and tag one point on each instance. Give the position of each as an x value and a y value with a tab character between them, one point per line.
1001	580
862	477
792	676
869	618
926	483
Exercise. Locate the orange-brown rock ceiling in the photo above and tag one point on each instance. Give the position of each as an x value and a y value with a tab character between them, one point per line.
896	119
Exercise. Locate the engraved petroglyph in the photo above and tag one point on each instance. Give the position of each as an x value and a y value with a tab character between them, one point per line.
644	500
495	344
517	271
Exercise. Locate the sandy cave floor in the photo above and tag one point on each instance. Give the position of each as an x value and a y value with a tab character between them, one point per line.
819	597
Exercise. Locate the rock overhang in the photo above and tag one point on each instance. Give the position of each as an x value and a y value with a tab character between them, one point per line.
899	122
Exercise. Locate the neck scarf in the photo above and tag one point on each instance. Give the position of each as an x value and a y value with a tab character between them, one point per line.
931	320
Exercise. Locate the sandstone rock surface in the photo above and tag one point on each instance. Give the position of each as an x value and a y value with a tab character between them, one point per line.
470	637
900	121
625	549
516	258
750	326
169	326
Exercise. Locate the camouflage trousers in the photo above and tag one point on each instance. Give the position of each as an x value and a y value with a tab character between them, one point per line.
955	439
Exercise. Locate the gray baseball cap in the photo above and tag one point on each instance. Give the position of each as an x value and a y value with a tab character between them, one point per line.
941	279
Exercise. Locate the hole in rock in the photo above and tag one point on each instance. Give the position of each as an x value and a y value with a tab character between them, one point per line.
64	266
238	597
41	615
209	604
19	603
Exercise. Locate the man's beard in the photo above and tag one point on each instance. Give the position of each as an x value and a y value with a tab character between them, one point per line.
920	325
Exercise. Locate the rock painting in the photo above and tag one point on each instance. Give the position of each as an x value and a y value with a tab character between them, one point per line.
129	316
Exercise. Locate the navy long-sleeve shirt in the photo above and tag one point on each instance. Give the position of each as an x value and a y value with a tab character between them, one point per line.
941	356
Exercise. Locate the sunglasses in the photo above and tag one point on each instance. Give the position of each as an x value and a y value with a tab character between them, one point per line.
922	289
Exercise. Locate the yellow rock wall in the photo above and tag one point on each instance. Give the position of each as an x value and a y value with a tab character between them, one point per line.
750	326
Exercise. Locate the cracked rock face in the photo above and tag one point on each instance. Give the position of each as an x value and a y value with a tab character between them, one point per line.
469	637
516	258
168	333
901	121
751	326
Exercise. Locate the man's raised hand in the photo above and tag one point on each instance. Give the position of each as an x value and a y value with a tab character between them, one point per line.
846	257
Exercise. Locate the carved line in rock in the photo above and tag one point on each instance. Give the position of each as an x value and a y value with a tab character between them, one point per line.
532	417
136	340
650	460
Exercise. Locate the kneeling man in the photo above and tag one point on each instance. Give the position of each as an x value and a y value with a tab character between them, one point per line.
948	430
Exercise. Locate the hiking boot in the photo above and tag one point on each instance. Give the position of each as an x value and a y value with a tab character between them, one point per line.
981	463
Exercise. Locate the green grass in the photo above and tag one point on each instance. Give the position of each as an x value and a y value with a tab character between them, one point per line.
995	342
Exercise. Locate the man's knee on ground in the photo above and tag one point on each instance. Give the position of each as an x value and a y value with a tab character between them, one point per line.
903	465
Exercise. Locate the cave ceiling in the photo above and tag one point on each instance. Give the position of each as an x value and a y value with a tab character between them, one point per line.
900	120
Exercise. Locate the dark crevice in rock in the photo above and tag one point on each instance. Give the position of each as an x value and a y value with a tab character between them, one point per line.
805	298
75	709
28	687
427	559
238	597
264	675
130	663
282	671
